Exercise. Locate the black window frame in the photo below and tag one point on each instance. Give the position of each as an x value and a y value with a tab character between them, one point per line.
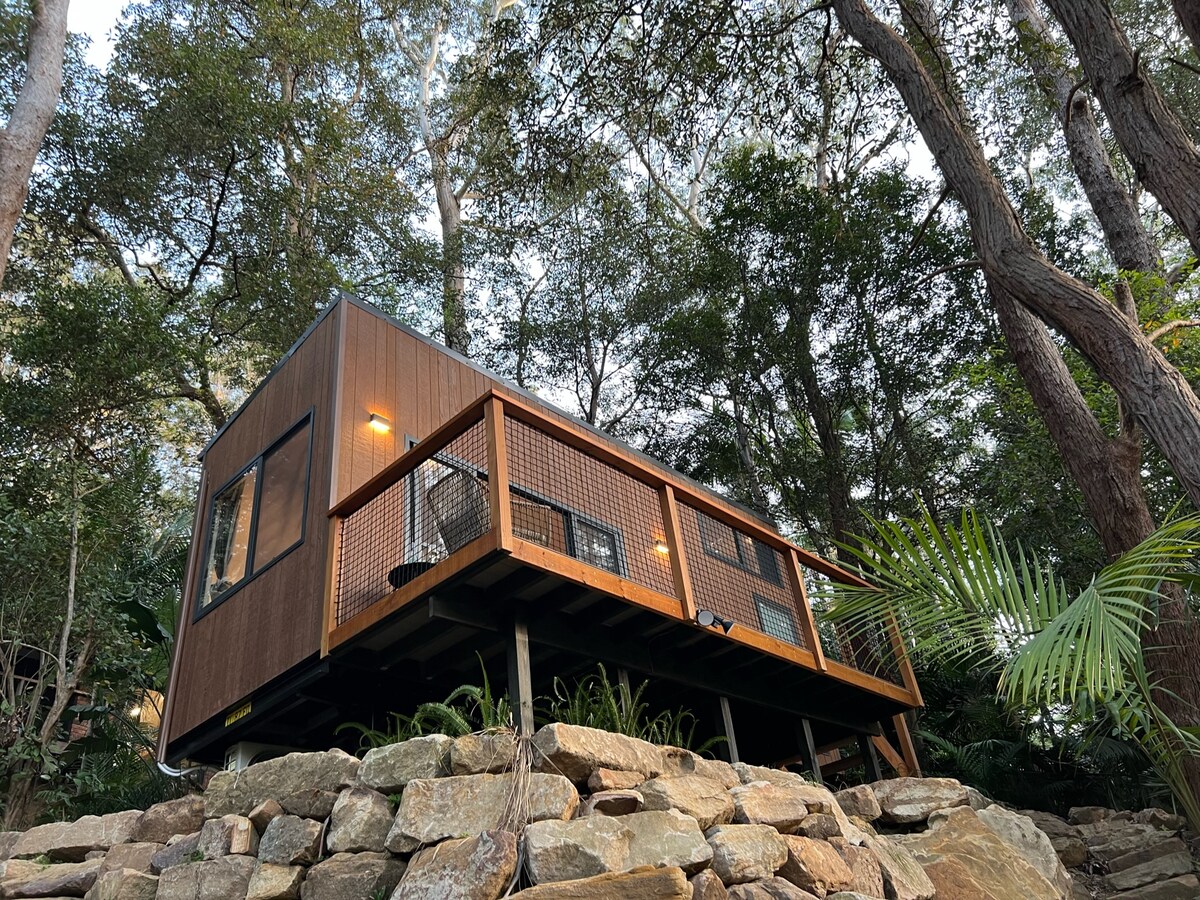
757	566
775	606
252	569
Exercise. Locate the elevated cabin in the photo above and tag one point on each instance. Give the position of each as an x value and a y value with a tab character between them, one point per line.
382	517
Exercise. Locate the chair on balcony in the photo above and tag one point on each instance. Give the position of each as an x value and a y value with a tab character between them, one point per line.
459	503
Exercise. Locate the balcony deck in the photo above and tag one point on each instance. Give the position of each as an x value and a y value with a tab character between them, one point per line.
505	514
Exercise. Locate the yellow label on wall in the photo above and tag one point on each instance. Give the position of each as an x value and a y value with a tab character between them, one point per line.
240	713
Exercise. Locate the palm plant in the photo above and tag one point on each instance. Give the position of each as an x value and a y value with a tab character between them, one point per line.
962	597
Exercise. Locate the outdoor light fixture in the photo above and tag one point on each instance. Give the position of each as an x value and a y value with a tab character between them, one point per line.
707	619
661	546
380	423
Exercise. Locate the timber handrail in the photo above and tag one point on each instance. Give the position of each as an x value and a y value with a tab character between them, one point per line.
493	407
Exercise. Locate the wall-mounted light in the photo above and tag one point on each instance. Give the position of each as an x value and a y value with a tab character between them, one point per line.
708	619
662	546
380	423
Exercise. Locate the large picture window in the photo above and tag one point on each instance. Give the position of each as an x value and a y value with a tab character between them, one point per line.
257	517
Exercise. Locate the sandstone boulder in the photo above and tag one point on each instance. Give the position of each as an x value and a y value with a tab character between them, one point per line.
771	889
866	874
228	876
612	803
162	821
1160	818
388	769
272	882
54	880
859	801
903	877
1182	887
123	884
1072	851
492	752
820	826
746	774
907	800
782	806
291	841
965	858
352	876
8	840
1030	842
1088	815
706	885
557	850
432	810
360	820
815	866
311	803
137	856
664	839
262	814
713	769
474	868
576	752
641	884
613	780
240	792
743	853
705	800
72	841
183	850
227	836
1158	868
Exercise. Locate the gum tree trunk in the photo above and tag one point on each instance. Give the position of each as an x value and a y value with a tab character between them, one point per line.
1151	388
1150	134
22	137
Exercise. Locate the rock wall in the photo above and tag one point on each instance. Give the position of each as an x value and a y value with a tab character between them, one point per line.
585	814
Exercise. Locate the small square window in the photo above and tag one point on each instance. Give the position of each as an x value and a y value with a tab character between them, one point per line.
597	546
776	620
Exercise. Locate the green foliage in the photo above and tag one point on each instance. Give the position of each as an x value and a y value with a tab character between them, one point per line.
467	709
965	599
596	702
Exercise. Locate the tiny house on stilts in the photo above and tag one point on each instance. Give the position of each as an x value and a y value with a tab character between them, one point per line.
381	515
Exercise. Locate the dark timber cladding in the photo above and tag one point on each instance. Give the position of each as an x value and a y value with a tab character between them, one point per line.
593	551
274	620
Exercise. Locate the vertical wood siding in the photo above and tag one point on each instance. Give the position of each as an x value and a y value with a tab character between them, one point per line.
275	620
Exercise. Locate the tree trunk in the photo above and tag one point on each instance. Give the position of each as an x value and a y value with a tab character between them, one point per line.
1188	13
1157	394
454	277
1107	470
1131	246
22	137
1150	134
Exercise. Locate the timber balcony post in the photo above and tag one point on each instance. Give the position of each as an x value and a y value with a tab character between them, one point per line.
497	461
674	538
807	621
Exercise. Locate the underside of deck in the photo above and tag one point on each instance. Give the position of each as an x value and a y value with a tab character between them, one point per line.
437	642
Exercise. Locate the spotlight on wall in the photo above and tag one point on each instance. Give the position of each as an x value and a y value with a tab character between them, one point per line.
662	546
707	619
380	423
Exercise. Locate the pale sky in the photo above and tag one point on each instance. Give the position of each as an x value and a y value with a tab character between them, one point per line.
95	18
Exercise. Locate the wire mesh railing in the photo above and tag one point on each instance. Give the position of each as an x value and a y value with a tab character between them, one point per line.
575	504
575	496
740	578
438	507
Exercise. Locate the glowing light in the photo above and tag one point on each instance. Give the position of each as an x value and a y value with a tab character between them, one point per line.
662	547
380	423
